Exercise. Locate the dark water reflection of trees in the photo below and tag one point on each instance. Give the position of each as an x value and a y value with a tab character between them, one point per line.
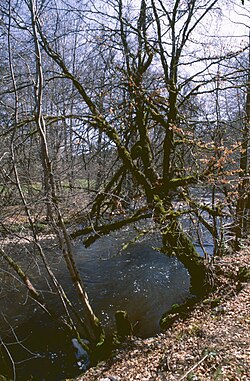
138	279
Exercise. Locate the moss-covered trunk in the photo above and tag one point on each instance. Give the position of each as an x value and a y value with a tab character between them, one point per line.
176	242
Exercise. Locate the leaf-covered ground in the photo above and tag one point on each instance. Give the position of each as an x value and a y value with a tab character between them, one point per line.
212	343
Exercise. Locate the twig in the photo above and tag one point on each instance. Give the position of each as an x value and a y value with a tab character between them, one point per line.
194	367
10	357
34	355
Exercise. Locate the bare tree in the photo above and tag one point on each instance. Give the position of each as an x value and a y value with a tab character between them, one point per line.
160	186
138	103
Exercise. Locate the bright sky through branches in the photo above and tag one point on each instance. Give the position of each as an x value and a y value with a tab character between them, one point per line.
236	23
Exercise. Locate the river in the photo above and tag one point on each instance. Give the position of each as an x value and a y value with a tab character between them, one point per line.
138	279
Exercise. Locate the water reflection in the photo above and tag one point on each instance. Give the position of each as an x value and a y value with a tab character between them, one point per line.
138	279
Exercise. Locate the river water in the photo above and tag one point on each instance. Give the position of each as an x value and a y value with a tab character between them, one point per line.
138	279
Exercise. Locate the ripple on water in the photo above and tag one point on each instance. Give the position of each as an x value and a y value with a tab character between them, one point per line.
139	279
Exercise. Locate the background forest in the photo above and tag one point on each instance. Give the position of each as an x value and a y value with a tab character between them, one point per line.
114	114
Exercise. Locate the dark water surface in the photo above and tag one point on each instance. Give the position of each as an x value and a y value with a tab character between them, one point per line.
138	279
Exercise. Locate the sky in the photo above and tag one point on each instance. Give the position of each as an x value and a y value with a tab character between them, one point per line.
236	23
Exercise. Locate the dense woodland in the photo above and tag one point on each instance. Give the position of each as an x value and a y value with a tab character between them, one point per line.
114	113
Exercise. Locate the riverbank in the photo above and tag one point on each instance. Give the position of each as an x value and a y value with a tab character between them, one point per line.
211	343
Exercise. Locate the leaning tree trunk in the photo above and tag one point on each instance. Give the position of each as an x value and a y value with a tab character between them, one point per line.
91	322
176	242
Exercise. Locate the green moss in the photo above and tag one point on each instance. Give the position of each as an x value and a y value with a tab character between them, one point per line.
215	302
102	351
192	376
181	181
177	311
99	332
159	207
218	374
243	274
175	307
195	330
167	321
123	325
